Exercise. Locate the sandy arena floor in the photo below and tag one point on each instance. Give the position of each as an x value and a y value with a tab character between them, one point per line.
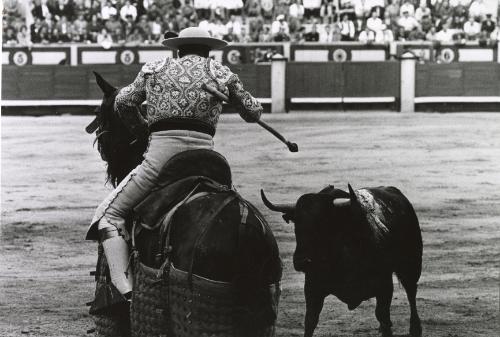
447	165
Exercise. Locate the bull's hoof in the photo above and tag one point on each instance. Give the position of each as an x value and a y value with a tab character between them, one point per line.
385	331
416	330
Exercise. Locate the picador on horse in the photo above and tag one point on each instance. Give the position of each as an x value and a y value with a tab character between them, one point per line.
181	253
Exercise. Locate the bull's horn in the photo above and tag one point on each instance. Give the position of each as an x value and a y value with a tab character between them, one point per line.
283	208
352	195
107	88
341	202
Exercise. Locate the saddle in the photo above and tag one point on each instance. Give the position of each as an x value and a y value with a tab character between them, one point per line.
180	176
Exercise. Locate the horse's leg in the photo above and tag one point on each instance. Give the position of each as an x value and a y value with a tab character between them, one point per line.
383	308
314	304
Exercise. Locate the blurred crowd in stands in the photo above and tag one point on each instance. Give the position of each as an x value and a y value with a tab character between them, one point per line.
133	22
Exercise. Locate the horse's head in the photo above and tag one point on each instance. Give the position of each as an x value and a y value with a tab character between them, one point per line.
115	142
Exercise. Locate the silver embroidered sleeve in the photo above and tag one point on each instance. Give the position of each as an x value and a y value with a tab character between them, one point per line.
128	106
249	108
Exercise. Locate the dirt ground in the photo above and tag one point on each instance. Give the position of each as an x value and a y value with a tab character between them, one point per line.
448	165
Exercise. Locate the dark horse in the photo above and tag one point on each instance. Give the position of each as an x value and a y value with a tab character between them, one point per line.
214	234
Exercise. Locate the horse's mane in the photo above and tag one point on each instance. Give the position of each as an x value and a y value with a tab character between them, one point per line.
115	143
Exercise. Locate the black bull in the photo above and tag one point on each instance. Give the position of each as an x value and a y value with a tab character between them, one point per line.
246	256
350	244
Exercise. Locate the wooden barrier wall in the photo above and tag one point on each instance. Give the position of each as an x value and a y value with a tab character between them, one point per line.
458	79
337	80
78	83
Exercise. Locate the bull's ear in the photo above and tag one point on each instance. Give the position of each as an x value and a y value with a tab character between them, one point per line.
106	88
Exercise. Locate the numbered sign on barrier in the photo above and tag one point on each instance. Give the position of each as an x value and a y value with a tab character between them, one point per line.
20	58
127	57
447	55
339	55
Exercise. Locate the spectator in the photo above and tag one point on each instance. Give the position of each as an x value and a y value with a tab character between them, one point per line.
35	30
426	23
367	36
280	26
267	7
347	30
218	29
444	9
374	23
114	27
252	8
407	22
416	34
233	7
478	10
230	36
234	24
94	27
407	7
134	38
23	37
311	8
265	35
154	12
488	25
295	15
313	35
392	10
9	36
445	35
80	29
328	11
64	8
107	11
156	29
255	28
282	35
128	9
105	39
40	10
422	11
202	8
245	38
472	28
431	34
64	29
188	11
329	35
43	35
387	35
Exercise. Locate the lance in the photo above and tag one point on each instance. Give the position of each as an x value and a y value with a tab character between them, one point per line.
293	147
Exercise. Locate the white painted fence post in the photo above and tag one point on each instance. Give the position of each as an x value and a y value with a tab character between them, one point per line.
408	65
278	84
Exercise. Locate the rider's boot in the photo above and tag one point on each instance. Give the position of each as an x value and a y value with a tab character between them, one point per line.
117	255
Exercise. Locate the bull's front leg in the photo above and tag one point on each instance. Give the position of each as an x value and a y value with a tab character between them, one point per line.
315	298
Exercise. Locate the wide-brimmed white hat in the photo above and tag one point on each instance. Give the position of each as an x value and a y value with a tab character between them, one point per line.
192	35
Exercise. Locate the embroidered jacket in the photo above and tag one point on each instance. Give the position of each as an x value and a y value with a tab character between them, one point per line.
172	88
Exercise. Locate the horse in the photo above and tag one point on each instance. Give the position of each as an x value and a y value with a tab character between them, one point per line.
199	248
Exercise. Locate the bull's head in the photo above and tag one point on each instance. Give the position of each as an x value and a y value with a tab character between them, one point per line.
115	142
318	218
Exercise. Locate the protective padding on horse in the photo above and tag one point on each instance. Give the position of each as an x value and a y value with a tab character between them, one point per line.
148	311
162	307
207	308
